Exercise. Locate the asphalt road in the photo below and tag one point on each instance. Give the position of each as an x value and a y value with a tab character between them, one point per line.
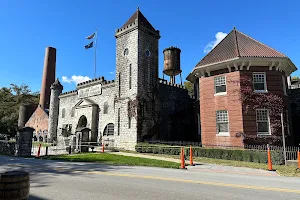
66	180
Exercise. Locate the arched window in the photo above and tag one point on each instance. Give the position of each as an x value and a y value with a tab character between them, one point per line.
105	108
109	129
63	113
82	122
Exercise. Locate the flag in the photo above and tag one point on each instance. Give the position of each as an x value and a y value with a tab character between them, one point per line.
90	45
91	36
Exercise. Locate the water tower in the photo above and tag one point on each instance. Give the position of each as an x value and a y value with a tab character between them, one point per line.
172	63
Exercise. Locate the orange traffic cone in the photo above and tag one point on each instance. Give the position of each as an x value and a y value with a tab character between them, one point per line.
182	159
191	156
102	148
269	161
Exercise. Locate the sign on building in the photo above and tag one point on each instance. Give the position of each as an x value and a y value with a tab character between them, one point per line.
90	91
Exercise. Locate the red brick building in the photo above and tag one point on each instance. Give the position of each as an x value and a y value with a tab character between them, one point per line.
219	77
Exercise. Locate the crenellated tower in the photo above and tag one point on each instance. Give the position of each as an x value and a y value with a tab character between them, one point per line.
136	79
56	89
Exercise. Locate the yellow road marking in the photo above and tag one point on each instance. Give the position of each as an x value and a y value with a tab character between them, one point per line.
196	182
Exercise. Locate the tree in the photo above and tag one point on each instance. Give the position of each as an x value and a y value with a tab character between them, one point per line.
190	87
295	78
10	100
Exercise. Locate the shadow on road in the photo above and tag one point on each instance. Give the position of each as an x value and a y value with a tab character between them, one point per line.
41	170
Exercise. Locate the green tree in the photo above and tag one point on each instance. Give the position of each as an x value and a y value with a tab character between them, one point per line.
190	87
295	78
10	100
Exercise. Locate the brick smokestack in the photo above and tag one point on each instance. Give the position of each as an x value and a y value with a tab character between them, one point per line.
48	76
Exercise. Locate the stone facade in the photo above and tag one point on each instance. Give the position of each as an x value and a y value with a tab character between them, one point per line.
137	105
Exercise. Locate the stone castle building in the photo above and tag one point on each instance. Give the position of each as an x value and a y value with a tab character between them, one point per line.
134	107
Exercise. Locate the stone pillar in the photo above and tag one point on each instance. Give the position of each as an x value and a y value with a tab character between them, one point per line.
56	89
289	81
48	76
22	117
24	141
94	125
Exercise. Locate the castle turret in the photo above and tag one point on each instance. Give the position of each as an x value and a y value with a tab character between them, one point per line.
56	89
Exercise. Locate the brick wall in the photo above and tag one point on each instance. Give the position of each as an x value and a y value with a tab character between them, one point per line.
209	104
38	120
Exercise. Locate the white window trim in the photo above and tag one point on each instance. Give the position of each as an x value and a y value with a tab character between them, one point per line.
223	133
265	83
269	124
220	93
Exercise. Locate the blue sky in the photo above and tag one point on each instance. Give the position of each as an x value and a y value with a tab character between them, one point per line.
28	27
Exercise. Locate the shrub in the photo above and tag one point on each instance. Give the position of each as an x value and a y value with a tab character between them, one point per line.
225	154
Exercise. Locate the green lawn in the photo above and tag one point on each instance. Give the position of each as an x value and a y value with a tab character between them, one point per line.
280	169
44	144
112	159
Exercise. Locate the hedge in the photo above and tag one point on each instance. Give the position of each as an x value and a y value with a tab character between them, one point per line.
246	155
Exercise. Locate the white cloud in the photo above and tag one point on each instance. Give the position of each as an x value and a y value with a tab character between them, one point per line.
219	37
75	79
111	72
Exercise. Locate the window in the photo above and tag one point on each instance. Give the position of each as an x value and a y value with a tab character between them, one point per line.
63	113
126	52
222	122
130	73
148	53
262	121
105	108
284	85
259	82
73	112
119	84
109	129
129	122
220	85
119	121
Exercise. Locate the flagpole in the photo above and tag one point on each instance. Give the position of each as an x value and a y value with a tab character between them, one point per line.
95	53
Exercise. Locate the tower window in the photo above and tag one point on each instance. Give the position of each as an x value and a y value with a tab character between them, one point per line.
105	108
130	73
126	52
119	84
148	53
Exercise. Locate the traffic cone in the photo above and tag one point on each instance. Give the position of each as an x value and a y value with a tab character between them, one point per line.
39	151
191	156
182	159
102	148
269	161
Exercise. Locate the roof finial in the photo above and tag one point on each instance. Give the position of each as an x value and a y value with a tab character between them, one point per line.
234	28
138	8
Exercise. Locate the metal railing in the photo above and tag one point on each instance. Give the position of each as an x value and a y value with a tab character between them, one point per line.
291	151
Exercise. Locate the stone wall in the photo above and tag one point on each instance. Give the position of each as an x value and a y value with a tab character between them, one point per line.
7	148
176	113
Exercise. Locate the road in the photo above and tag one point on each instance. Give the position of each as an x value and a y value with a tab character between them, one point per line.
69	180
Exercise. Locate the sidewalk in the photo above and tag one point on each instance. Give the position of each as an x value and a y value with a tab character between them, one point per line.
205	167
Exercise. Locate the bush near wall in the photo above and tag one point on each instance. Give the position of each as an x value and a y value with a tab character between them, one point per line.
256	156
7	148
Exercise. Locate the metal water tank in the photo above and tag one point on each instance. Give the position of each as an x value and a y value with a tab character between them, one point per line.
172	61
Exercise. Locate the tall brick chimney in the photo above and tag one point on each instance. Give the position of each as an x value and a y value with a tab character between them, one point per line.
48	76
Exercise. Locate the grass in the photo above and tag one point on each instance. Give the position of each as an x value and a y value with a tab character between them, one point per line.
44	144
280	169
112	159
